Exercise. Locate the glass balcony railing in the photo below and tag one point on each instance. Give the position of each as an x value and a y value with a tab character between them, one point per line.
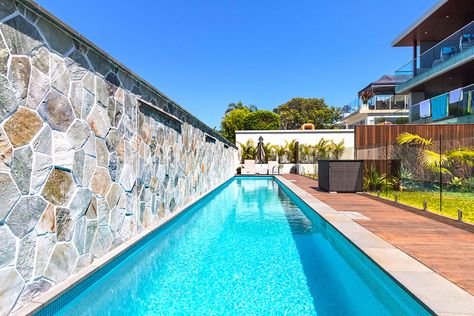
456	103
378	102
446	53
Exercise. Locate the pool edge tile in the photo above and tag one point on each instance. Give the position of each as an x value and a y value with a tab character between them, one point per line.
446	298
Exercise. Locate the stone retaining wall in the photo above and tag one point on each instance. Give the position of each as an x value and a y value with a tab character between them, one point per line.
84	164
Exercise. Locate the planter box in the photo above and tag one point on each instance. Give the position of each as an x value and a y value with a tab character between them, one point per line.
341	175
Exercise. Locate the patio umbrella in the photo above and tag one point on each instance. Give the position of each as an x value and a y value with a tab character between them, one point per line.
260	151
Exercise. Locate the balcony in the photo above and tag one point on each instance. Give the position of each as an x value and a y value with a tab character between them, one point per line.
381	103
455	50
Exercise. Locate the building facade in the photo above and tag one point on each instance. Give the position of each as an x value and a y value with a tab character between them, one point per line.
439	79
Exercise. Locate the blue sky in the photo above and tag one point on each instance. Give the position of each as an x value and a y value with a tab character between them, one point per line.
205	54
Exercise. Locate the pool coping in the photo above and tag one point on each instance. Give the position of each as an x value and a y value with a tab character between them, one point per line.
436	292
40	302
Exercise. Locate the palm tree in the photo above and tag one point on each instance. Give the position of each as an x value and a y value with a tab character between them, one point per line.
322	149
306	152
249	150
239	105
269	151
291	147
337	149
434	161
280	151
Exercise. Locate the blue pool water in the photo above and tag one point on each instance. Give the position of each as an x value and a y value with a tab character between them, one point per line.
249	248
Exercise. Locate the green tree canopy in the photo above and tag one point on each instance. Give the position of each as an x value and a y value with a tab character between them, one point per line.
239	106
297	111
233	121
262	120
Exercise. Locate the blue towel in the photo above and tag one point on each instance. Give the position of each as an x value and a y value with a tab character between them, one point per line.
439	107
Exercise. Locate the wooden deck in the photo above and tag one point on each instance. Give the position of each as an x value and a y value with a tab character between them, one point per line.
445	246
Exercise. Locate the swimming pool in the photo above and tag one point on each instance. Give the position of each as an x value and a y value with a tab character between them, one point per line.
250	247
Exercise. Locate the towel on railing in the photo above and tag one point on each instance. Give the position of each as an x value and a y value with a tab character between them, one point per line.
425	109
455	96
439	107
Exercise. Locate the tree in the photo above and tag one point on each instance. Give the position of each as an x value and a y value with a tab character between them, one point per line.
337	149
438	162
262	120
233	121
248	150
281	151
239	106
297	111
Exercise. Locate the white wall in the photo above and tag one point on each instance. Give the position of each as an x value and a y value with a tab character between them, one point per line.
279	137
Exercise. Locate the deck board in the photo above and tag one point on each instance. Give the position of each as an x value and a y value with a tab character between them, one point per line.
445	246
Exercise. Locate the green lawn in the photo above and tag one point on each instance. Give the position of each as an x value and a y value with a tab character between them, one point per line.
451	202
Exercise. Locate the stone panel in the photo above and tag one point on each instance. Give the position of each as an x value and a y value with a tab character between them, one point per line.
7	99
25	214
20	35
99	121
22	164
59	187
57	39
12	284
9	194
8	248
62	262
56	110
22	126
39	86
19	76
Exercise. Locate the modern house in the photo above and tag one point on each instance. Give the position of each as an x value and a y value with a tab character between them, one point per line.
439	79
377	103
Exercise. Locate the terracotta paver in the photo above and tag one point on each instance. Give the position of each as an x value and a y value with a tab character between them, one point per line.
445	246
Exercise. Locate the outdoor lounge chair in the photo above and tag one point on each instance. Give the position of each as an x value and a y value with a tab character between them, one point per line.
273	167
249	167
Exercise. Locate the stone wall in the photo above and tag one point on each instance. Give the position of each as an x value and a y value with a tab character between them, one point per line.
84	164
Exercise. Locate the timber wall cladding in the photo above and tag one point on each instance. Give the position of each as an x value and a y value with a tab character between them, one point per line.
90	154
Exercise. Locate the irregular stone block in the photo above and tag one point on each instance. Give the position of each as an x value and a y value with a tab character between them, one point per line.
89	82
90	234
47	221
22	162
9	194
114	194
99	63
78	134
89	146
45	245
78	167
64	224
103	211
40	59
7	99
112	140
87	104
25	214
102	241
19	75
59	187
57	39
12	284
59	75
101	91
63	154
26	256
43	142
4	54
20	35
98	121
76	95
80	232
62	262
127	178
100	182
91	212
8	248
80	203
117	215
102	152
22	126
42	165
83	262
57	111
7	7
39	86
90	164
77	65
33	290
